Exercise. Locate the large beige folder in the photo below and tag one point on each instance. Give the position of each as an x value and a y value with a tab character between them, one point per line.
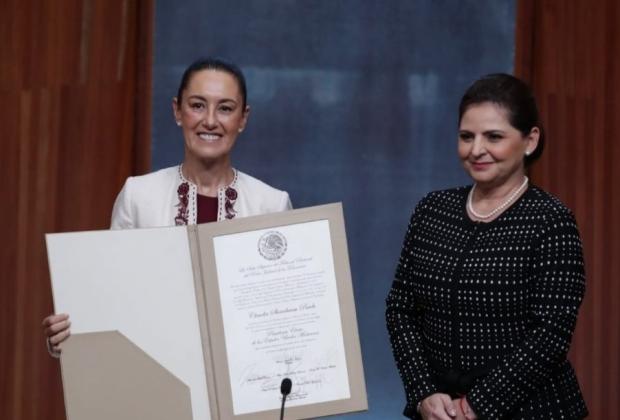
178	345
108	377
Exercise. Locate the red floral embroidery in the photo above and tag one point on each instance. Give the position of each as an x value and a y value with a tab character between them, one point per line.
231	197
231	193
183	213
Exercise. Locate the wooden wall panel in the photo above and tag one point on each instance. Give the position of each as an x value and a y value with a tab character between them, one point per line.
75	91
570	53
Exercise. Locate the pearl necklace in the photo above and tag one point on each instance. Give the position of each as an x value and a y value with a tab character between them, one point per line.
497	209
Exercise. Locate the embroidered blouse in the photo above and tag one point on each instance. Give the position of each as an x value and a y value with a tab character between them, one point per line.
154	200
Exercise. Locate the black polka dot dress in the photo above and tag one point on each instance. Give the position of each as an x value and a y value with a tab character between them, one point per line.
488	309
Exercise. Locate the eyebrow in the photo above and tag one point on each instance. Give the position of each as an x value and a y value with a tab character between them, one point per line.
486	132
493	130
202	98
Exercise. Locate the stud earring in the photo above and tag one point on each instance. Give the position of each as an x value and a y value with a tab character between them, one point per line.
179	123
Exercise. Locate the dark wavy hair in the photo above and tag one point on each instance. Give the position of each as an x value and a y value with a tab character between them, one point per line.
213	63
516	97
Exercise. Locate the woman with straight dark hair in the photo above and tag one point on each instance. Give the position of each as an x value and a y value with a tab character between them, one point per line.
211	109
490	278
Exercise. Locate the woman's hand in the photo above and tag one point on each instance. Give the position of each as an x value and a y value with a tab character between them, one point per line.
440	407
56	330
467	410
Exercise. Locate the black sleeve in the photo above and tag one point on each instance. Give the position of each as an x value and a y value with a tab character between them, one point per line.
558	289
404	318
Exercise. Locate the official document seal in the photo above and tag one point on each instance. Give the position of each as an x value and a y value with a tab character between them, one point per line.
272	245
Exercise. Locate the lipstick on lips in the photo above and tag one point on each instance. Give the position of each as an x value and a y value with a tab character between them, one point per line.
480	166
209	137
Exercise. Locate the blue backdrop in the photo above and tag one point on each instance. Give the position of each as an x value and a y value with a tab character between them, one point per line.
353	101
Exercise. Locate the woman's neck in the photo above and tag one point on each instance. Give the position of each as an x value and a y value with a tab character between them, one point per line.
498	191
208	176
486	203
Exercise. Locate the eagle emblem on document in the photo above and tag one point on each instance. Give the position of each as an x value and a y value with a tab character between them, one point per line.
272	245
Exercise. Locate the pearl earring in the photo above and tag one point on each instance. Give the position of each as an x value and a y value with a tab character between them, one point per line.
179	123
527	153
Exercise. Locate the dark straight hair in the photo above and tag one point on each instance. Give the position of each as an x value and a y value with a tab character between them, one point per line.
516	97
213	63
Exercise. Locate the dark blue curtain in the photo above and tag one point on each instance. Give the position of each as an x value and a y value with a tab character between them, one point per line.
353	101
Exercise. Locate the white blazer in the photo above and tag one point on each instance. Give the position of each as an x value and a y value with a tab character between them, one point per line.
152	200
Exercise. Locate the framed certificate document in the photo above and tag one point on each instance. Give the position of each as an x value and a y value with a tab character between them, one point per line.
221	313
278	295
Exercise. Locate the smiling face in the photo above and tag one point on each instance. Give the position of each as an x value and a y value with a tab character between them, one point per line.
491	149
211	114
